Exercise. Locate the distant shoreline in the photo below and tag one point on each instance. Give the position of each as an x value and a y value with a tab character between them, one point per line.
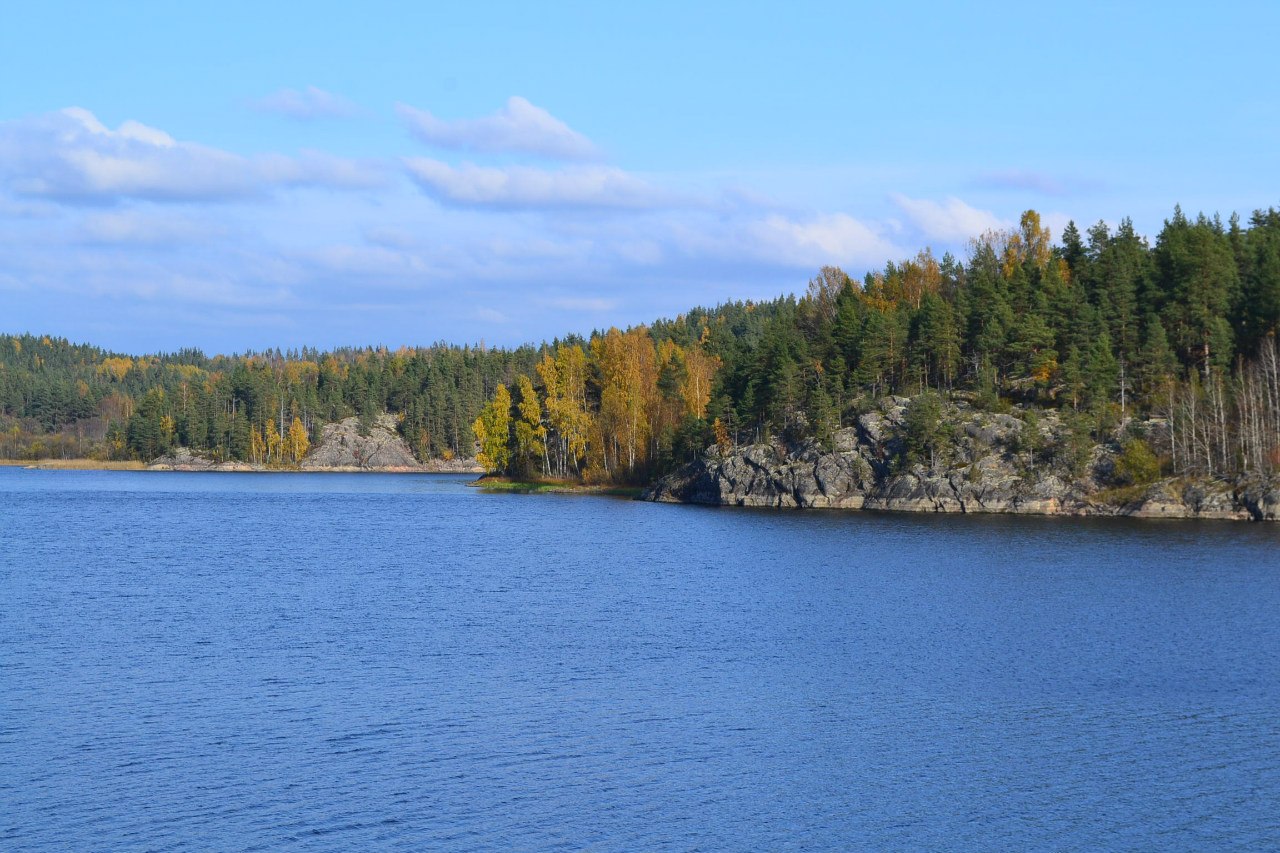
76	464
233	468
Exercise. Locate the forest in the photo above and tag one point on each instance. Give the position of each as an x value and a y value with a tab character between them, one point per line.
1104	326
62	400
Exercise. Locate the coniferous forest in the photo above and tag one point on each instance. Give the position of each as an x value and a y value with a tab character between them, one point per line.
1104	326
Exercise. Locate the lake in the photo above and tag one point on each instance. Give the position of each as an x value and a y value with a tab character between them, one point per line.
364	662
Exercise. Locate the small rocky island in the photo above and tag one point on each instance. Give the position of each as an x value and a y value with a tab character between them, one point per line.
343	447
982	462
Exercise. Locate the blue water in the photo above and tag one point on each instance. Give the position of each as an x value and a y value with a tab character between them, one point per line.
364	662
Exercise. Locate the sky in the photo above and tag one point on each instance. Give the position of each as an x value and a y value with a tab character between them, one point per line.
239	176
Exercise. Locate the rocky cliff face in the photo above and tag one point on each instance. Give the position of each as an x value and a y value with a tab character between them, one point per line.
342	447
985	468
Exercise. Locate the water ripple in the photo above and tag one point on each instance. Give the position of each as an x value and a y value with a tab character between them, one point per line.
337	662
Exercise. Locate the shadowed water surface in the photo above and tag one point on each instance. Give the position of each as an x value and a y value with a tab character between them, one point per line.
362	662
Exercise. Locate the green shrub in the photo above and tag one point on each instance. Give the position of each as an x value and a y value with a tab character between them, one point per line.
1136	465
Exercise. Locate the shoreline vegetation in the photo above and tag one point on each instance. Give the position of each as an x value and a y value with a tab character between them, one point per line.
1103	373
108	465
75	464
508	485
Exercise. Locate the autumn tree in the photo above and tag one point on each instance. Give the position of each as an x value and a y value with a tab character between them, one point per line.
273	441
564	382
297	442
628	367
530	434
493	432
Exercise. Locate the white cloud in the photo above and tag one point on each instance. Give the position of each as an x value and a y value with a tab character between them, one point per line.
528	187
518	127
831	238
71	156
307	104
950	221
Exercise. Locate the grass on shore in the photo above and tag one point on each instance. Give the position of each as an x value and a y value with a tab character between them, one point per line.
544	487
75	464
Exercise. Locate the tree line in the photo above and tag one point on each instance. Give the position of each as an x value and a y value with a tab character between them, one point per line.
59	399
1105	326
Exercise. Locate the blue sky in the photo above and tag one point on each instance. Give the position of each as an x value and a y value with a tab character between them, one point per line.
254	175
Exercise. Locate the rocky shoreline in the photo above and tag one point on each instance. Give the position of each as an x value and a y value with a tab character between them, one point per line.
343	448
985	471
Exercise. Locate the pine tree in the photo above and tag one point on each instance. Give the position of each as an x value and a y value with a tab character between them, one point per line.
1156	365
1198	273
1260	297
1101	371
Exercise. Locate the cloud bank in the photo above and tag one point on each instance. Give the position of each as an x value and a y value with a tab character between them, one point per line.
70	156
525	187
133	226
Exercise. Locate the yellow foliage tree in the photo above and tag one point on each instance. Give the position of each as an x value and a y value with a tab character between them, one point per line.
700	370
168	429
493	431
298	441
117	368
271	436
1030	242
257	447
564	381
721	432
531	435
919	276
629	365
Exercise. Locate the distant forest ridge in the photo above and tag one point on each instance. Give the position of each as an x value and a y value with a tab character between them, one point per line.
1103	326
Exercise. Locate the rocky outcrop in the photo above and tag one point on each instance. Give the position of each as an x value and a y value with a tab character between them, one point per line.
1262	499
183	459
343	446
992	463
